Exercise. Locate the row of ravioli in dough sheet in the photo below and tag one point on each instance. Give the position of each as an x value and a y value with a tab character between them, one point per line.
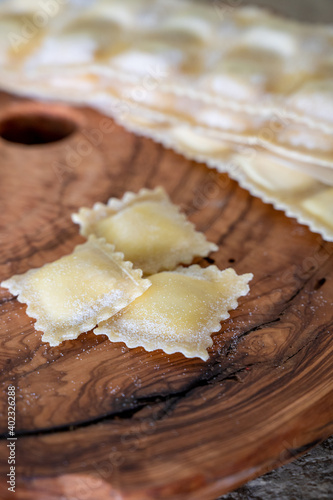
269	177
271	131
244	55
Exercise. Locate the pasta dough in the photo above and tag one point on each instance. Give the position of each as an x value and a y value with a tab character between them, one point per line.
179	311
71	295
246	56
147	228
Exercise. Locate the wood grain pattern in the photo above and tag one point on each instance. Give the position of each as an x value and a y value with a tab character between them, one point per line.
96	420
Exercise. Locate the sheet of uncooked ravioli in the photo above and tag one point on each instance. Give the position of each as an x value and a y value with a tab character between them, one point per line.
179	312
246	55
273	132
73	294
147	228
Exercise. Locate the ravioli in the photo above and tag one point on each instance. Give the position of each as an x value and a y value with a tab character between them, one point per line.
147	228
179	312
73	294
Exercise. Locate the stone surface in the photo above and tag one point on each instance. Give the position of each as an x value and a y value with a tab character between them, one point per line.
308	478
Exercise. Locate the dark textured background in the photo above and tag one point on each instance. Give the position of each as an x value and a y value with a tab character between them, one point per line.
305	10
318	11
308	478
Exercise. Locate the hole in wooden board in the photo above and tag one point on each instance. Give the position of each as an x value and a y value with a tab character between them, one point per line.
320	283
36	128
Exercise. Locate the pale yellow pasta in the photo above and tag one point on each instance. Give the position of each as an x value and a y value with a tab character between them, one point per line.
179	312
275	174
320	205
147	228
71	295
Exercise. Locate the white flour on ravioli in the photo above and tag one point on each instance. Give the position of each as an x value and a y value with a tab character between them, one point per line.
147	228
73	294
179	312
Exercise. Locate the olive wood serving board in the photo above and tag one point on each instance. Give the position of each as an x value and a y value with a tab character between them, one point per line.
96	420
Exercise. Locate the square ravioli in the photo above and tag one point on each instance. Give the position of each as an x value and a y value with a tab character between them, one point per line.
147	228
179	311
73	294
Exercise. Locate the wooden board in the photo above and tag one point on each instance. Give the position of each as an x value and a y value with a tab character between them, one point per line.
97	420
